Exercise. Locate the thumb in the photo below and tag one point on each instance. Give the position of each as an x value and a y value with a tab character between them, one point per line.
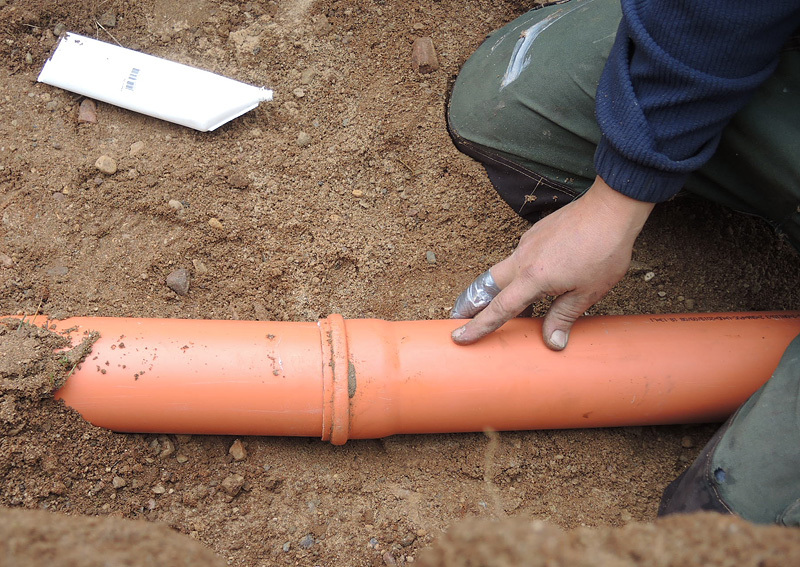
563	312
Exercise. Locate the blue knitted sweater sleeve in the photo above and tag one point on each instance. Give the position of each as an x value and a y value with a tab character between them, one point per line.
677	73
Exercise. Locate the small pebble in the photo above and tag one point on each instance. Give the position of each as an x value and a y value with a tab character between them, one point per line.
625	516
175	204
649	276
299	93
388	559
237	451
59	29
303	140
689	303
159	489
119	482
687	442
215	224
182	459
423	56
106	164
662	294
358	193
286	547
430	257
199	267
178	281
87	111
307	541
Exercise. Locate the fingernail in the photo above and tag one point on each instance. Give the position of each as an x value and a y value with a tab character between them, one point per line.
458	332
558	339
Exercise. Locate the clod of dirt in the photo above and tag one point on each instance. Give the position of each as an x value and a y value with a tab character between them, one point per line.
321	25
423	55
34	363
32	538
238	181
681	540
233	484
136	148
108	19
303	140
307	76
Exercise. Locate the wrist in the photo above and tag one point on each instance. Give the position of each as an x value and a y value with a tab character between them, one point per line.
618	207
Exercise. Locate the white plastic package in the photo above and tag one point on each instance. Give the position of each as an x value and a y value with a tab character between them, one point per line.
150	85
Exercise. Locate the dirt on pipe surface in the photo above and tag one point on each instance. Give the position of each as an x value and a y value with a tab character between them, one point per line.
344	195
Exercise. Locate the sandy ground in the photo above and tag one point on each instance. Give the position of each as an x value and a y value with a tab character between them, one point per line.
343	195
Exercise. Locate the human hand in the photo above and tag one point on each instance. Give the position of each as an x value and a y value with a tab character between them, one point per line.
575	254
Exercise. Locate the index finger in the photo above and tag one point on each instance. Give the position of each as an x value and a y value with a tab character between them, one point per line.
509	303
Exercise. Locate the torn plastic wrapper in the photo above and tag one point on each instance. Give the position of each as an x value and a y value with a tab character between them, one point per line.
150	85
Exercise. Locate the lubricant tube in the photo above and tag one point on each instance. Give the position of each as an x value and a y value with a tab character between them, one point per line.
143	83
353	379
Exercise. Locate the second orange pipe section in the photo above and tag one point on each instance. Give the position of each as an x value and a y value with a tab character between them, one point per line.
354	379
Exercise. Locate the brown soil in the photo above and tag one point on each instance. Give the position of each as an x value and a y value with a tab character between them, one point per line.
342	225
701	539
38	538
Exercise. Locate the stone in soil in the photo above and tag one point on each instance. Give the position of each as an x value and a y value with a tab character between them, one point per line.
87	111
423	56
106	164
178	281
237	451
307	541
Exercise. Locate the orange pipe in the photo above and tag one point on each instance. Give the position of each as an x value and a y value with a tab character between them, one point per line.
356	379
